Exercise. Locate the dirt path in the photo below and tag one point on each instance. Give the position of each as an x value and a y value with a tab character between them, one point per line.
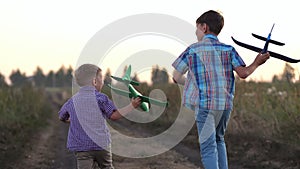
175	158
47	150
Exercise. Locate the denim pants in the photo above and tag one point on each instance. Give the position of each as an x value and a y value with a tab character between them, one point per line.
211	126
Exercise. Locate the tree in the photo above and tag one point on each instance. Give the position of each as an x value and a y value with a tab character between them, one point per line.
288	74
159	76
135	77
155	74
164	76
39	77
124	70
69	76
107	76
60	77
17	78
275	79
50	79
2	81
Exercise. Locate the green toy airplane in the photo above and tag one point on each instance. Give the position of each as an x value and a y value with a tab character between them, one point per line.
145	101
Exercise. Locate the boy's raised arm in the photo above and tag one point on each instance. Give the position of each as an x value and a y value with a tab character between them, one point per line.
244	72
135	102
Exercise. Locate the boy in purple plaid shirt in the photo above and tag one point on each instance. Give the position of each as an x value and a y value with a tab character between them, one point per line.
209	86
87	111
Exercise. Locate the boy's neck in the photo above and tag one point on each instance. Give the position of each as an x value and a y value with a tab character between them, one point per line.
210	33
87	86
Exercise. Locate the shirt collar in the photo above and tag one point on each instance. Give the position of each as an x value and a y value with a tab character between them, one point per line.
210	36
87	88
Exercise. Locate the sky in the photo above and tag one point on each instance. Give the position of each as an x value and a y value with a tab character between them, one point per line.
53	33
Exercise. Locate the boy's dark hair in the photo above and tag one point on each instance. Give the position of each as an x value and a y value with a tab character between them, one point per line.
213	19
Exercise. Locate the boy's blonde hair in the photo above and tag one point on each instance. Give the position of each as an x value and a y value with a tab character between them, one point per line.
85	74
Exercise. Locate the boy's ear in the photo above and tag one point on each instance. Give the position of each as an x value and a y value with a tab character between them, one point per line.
94	81
205	27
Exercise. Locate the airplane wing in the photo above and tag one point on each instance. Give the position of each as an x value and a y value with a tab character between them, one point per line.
117	78
143	98
135	83
153	101
273	54
265	39
120	91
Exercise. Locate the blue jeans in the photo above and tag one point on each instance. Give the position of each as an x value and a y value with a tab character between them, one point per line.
211	126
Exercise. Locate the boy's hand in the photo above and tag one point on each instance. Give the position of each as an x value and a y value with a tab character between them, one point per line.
136	102
262	58
65	121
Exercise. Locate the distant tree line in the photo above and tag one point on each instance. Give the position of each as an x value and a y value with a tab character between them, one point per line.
60	78
63	77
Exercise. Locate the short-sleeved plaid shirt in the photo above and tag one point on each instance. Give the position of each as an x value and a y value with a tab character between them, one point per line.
88	110
210	66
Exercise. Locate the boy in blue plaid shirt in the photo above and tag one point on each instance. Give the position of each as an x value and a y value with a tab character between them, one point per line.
209	86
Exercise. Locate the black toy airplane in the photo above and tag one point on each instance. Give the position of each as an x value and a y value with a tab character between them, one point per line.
265	49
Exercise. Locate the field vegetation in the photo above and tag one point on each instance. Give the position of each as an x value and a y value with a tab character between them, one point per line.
23	111
267	112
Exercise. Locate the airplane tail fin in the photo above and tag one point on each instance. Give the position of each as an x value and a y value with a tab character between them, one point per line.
265	39
126	78
127	73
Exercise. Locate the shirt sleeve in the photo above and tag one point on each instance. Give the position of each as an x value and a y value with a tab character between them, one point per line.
106	105
236	59
63	113
181	63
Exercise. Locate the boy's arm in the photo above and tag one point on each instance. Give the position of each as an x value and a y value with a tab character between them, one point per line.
117	114
181	67
178	77
63	114
244	72
65	120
